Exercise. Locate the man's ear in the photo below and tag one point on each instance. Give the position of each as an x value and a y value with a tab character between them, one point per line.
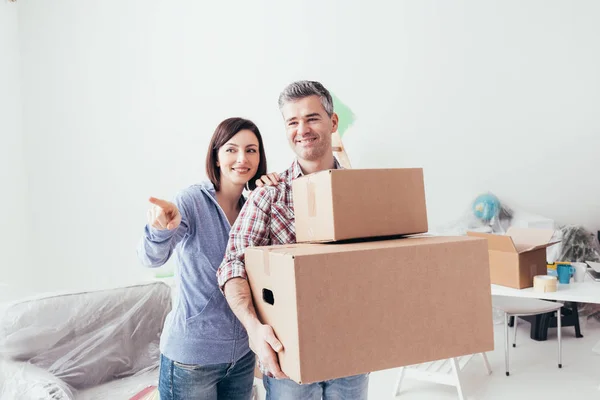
334	120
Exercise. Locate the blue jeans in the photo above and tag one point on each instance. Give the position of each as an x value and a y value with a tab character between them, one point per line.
351	388
206	382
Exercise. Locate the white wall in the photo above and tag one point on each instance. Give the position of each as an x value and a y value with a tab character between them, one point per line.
122	97
14	245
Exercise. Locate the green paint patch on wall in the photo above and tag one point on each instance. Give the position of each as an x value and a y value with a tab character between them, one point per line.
345	114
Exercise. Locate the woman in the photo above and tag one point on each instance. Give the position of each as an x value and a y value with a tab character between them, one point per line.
204	348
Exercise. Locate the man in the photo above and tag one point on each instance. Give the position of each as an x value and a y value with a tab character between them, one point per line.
268	218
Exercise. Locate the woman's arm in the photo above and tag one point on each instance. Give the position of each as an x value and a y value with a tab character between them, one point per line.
167	225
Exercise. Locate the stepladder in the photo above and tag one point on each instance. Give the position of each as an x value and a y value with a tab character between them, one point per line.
444	372
339	151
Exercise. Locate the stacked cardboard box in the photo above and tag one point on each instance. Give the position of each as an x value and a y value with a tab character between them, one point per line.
369	303
337	205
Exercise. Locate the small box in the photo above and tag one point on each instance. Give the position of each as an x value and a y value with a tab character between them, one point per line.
342	204
518	256
346	309
522	219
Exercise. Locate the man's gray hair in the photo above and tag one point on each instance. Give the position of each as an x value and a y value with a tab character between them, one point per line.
301	89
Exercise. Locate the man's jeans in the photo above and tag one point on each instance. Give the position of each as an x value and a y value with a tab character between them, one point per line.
350	388
206	382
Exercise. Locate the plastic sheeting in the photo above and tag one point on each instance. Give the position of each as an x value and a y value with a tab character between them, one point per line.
484	214
27	382
576	245
56	346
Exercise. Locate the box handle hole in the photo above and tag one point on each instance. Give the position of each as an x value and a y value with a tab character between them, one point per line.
268	296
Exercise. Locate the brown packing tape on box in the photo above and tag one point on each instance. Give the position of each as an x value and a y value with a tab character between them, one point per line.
312	199
267	264
266	254
311	193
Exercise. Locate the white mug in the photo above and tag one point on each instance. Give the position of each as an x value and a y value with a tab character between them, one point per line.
580	268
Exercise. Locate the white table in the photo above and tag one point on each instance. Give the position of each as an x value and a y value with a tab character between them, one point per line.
587	291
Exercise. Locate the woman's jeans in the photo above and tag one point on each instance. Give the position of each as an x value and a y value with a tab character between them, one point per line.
206	382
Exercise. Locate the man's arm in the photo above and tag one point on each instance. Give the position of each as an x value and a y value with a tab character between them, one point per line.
250	229
262	338
239	298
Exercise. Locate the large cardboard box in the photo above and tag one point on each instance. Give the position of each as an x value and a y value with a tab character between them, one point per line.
518	256
343	204
345	309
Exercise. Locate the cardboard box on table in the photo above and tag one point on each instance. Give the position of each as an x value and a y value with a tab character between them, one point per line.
346	309
342	204
518	256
